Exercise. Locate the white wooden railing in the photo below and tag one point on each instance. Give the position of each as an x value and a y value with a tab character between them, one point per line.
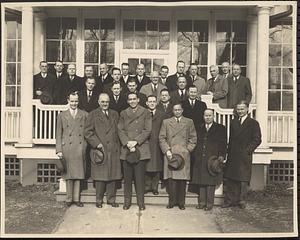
281	129
12	124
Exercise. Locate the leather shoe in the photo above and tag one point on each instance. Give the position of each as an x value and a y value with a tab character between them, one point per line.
126	207
242	205
79	204
170	206
208	208
155	192
142	207
181	207
226	205
113	204
68	204
200	206
98	204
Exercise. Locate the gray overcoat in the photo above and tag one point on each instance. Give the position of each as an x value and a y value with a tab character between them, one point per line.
219	87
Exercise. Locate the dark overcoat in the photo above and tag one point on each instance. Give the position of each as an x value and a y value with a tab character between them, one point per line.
243	140
86	105
209	143
44	84
135	126
101	84
175	97
118	106
100	129
156	160
168	111
71	142
195	113
145	80
171	82
238	90
65	86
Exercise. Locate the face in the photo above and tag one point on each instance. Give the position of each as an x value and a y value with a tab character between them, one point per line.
164	97
132	86
73	101
241	110
116	89
177	110
89	72
90	84
236	70
133	101
181	83
125	70
140	69
180	67
193	92
151	103
193	70
71	70
164	72
208	116
154	78
44	67
225	67
103	101
103	69
116	75
213	71
58	67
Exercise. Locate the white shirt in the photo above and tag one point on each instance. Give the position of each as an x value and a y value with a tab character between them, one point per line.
44	75
192	102
180	91
153	111
163	81
125	78
243	118
58	74
73	112
178	119
116	97
140	78
208	125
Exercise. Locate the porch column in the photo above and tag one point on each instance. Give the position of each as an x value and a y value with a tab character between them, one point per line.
26	77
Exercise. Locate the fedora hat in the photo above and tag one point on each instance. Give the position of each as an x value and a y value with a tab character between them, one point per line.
177	161
97	156
215	165
61	165
133	157
46	98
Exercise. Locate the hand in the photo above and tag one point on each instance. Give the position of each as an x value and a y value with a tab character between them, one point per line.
60	155
210	93
131	144
100	146
169	154
38	92
132	149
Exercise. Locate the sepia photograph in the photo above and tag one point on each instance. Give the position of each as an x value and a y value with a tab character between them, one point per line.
149	119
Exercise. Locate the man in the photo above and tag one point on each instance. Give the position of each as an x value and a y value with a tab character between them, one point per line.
59	75
164	71
134	130
140	77
154	87
245	137
118	101
177	132
132	88
165	104
173	79
217	86
225	70
116	76
88	72
88	97
125	73
180	94
212	141
154	166
101	133
198	81
239	87
194	108
103	78
43	82
71	147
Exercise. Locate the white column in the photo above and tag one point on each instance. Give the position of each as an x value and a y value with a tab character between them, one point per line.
252	52
262	67
26	77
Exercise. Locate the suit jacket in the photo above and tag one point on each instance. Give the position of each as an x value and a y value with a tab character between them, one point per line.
219	88
175	97
144	81
107	87
118	106
100	84
243	140
86	105
71	142
168	111
174	133
209	143
100	129
66	86
161	82
172	82
195	113
135	126
239	90
148	90
44	84
200	83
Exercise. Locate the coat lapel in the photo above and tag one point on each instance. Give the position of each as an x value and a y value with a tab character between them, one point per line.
178	127
240	128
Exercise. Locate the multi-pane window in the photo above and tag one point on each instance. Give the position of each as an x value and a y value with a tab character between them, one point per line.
281	68
61	34
151	64
231	43
146	34
192	43
13	63
99	42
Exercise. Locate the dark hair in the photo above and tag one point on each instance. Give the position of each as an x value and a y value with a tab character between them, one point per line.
115	83
43	62
88	66
72	94
181	77
211	109
177	103
164	67
130	93
192	86
125	64
114	69
151	96
193	64
180	61
58	61
164	90
131	79
90	78
243	102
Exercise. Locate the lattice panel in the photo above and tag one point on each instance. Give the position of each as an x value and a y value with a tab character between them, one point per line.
12	166
281	172
47	173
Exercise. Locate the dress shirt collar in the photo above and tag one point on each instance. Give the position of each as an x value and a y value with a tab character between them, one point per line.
180	91
44	75
243	118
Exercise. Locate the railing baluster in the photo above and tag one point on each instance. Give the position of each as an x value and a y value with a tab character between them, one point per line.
35	122
45	124
50	124
40	124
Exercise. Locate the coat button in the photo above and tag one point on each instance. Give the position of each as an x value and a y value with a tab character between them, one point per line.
79	135
79	142
70	135
70	142
67	125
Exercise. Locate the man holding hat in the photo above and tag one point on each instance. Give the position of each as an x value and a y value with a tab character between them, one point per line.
102	134
209	155
177	138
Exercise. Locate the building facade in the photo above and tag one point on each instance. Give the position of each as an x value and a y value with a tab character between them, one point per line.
260	36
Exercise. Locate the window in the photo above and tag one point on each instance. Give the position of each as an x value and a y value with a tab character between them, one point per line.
231	45
13	61
281	68
192	43
61	34
99	42
146	34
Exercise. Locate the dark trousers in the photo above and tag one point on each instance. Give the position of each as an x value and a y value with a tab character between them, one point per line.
176	190
73	190
109	187
136	172
151	181
206	195
235	191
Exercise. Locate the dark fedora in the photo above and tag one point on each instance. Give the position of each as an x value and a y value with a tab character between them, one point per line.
177	161
46	98
133	157
61	165
215	165
97	156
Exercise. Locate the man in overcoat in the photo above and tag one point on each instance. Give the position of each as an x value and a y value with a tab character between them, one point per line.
180	94
245	137
154	166
197	81
177	131
103	78
171	82
88	97
211	141
71	147
165	105
134	129
118	100
101	132
154	87
140	77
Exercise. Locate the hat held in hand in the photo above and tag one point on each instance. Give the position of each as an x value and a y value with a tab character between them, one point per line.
61	165
215	165
46	98
97	156
177	161
133	157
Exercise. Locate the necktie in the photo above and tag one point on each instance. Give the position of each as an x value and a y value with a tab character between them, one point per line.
194	78
89	95
181	96
116	98
154	89
165	107
177	120
152	114
192	103
106	113
207	127
240	120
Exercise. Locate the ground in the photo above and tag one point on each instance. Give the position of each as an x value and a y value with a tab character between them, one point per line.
33	209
